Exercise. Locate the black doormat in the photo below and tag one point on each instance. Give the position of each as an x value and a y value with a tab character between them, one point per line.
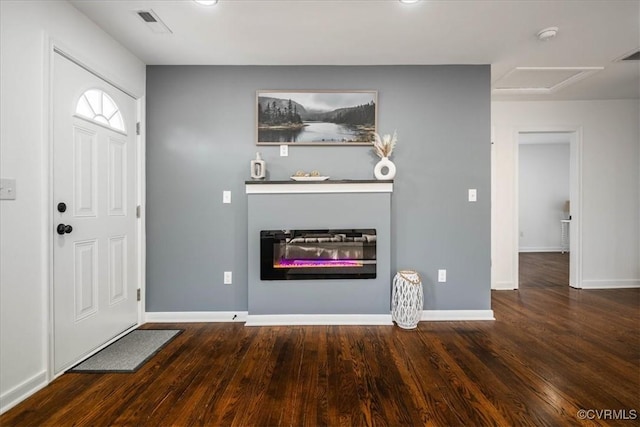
129	353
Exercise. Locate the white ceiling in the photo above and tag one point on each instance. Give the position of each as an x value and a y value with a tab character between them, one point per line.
377	32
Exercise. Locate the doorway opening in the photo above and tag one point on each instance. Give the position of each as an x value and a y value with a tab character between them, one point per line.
547	206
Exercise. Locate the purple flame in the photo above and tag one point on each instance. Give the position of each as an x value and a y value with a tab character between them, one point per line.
304	263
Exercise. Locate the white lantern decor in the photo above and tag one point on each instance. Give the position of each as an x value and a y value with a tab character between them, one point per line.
407	299
258	168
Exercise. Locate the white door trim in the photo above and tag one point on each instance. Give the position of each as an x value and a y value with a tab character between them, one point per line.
51	46
99	75
142	202
575	239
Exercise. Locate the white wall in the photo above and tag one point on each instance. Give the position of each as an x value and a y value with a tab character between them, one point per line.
610	186
27	29
543	190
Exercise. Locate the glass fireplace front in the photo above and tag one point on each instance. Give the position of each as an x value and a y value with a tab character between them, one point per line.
317	254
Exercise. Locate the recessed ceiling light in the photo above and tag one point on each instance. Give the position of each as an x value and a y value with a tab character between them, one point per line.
206	2
409	1
547	33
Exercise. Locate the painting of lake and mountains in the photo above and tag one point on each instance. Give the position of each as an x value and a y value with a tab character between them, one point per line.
316	118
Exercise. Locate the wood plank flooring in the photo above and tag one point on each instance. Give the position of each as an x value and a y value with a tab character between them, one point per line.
550	352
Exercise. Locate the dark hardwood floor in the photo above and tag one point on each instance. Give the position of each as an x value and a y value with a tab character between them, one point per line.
551	352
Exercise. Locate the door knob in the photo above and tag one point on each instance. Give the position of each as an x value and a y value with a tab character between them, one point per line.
62	229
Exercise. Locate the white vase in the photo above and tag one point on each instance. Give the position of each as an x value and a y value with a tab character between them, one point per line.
379	173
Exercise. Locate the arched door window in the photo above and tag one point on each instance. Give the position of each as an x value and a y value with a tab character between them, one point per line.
97	106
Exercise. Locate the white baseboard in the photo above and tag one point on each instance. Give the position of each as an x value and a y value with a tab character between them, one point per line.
20	392
309	319
541	249
610	284
456	315
194	316
503	286
318	319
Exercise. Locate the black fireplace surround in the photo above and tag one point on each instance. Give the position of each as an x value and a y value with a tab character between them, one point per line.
318	254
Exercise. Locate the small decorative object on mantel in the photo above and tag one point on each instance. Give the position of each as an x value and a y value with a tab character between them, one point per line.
258	170
383	147
312	176
407	299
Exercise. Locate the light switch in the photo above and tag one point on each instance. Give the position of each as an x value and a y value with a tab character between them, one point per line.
442	275
7	189
226	196
473	195
228	277
284	150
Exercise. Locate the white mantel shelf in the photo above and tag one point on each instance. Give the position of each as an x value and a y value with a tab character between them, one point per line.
315	187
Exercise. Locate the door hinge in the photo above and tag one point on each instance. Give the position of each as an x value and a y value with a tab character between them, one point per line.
138	128
138	211
138	295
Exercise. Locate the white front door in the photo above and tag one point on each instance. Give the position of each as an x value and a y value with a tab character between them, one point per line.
94	211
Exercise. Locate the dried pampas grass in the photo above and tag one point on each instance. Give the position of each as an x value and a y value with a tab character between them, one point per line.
383	147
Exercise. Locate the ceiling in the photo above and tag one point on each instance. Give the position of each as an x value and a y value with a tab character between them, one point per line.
592	35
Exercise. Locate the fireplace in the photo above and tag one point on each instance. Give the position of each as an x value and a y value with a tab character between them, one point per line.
318	254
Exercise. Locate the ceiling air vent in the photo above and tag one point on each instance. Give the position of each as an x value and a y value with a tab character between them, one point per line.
146	16
635	56
152	21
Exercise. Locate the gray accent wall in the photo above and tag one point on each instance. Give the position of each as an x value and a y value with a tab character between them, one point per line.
200	139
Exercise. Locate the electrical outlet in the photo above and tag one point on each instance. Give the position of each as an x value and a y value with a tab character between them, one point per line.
284	150
226	196
473	195
442	275
228	277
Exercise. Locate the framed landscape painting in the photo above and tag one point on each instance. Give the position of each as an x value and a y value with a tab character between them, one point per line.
305	117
